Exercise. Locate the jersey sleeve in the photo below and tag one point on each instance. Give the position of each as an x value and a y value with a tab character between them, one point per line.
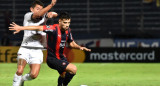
70	38
48	28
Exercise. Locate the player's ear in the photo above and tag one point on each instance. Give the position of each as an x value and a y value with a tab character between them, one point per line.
59	20
31	9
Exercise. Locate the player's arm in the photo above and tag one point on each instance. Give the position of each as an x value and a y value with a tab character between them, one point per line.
73	44
18	28
44	10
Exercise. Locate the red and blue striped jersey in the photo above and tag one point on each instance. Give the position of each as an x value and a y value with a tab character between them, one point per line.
56	40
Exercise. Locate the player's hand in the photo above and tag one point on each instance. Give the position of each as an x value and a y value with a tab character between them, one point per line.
15	27
85	49
52	14
53	2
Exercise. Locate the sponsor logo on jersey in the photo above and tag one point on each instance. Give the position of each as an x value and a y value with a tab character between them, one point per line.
47	26
63	63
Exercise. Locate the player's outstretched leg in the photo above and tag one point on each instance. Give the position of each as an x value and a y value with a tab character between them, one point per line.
18	75
25	78
34	71
71	71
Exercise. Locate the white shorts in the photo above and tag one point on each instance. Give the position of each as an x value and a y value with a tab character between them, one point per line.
32	56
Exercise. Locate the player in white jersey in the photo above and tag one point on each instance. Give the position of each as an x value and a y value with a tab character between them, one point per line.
33	42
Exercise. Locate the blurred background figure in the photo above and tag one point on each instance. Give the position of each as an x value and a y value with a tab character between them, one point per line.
5	41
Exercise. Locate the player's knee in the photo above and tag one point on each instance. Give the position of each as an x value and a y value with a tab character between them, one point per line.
33	76
74	69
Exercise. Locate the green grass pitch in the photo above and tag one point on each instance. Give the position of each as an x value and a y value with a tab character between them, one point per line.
92	74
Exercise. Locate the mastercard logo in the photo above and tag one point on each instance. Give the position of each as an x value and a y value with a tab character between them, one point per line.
74	55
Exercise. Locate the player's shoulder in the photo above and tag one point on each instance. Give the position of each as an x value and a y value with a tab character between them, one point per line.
28	13
55	25
49	27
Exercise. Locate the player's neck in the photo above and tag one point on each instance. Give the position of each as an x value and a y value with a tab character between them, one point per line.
62	32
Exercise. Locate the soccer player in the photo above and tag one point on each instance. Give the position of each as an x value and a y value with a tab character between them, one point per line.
58	35
33	42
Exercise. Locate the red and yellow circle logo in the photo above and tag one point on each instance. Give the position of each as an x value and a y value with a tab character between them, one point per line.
74	55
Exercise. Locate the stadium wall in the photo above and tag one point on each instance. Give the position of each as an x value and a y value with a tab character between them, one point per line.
9	55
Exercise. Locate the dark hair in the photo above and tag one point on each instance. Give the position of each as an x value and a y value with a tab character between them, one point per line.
37	2
64	15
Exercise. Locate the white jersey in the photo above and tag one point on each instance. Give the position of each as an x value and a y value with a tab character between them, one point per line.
34	39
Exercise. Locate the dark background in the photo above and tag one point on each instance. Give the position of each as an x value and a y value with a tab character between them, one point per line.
92	18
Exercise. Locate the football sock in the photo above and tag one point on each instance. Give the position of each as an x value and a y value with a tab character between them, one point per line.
68	78
17	80
26	77
60	81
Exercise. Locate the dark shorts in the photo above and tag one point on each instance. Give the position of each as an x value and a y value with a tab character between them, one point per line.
57	64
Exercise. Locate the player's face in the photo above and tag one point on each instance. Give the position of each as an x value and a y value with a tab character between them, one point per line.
64	24
36	9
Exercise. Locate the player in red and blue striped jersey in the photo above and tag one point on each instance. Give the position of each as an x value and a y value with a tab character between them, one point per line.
58	35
